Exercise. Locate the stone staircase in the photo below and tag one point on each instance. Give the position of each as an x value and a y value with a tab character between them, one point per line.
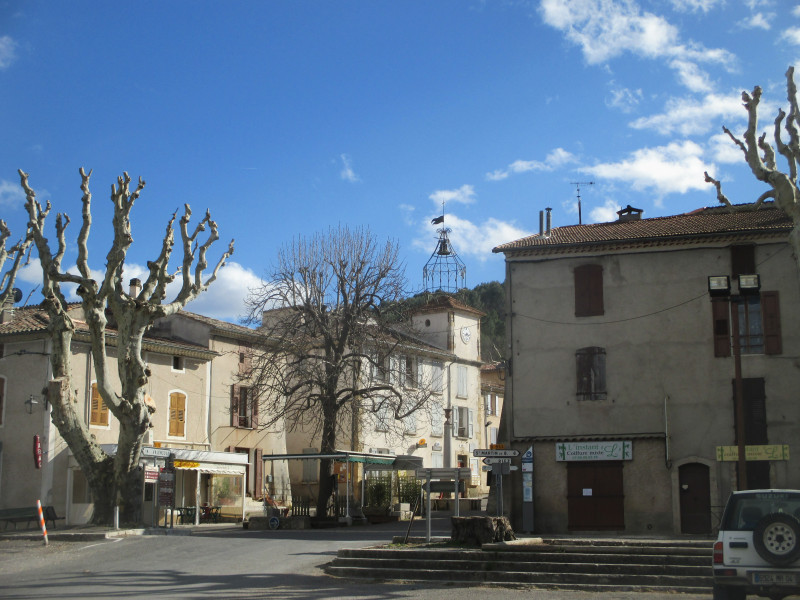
567	564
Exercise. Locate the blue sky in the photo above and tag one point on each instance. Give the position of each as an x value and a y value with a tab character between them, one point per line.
285	118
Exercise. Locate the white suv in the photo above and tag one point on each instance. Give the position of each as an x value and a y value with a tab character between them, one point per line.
758	547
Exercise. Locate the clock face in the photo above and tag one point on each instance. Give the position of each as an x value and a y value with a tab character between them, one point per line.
465	334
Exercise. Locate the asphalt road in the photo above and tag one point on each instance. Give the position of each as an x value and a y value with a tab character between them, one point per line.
227	562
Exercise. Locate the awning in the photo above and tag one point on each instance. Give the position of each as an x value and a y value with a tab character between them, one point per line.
338	455
212	468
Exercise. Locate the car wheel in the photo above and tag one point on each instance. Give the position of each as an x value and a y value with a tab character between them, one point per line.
777	539
722	592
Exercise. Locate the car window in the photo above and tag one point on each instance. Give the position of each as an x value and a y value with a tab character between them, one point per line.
744	511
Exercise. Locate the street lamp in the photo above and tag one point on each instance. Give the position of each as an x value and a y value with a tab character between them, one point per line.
719	286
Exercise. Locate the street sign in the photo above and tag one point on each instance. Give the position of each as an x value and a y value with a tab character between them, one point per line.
441	473
493	452
496	460
155	452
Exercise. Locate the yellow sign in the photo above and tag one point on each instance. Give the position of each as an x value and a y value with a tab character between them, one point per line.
186	464
773	452
497	446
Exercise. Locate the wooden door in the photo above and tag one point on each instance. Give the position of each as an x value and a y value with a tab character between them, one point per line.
595	498
695	498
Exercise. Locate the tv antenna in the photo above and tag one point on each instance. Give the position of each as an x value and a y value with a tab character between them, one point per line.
578	185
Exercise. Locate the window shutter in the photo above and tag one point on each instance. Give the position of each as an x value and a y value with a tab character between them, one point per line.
254	405
771	314
471	431
258	473
94	417
234	406
177	414
455	420
720	313
588	290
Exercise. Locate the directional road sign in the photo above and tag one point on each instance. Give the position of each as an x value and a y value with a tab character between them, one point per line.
493	452
496	460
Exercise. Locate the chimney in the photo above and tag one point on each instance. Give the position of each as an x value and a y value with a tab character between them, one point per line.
136	287
7	313
629	214
541	223
547	232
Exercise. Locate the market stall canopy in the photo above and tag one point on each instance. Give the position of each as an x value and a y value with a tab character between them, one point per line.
388	462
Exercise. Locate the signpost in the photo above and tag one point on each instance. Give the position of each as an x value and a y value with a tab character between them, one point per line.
494	452
499	459
449	477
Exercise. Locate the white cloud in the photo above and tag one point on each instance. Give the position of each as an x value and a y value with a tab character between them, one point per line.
624	99
7	51
722	149
224	299
791	35
11	194
690	75
465	195
675	168
347	172
605	213
757	21
695	5
606	29
473	240
691	117
556	158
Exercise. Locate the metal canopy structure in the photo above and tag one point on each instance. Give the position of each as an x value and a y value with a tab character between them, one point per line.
371	462
444	270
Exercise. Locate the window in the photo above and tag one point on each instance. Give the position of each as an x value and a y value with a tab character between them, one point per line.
408	375
410	423
437	420
437	461
489	400
461	390
382	417
437	381
588	291
244	408
591	373
743	260
177	363
493	435
759	324
98	415
177	414
463	419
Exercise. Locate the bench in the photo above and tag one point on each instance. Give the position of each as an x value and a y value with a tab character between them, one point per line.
28	514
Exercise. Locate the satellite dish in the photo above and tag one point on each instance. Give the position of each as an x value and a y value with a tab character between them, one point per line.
17	294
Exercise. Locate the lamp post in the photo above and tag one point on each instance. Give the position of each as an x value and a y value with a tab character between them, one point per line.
720	286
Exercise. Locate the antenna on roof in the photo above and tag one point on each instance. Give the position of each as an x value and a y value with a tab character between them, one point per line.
578	184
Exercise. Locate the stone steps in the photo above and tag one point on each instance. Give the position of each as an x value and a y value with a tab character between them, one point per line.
557	564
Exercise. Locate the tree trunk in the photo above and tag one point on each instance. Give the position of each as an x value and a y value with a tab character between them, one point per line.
326	479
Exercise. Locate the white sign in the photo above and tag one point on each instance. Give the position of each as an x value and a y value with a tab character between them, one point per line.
496	460
493	452
157	452
606	450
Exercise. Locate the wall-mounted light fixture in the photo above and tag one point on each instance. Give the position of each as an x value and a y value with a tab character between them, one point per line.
29	404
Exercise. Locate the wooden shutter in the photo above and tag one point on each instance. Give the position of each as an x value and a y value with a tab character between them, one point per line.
254	402
588	290
234	406
720	313
99	411
177	414
771	316
258	473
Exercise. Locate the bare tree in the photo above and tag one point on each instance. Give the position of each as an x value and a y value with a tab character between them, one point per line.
760	157
112	480
15	254
328	342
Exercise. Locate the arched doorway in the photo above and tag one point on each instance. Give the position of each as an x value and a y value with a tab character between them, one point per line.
695	498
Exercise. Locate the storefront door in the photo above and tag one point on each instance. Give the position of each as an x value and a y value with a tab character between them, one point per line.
595	498
695	498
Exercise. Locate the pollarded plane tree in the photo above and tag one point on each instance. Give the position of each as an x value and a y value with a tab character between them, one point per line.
113	480
761	157
321	311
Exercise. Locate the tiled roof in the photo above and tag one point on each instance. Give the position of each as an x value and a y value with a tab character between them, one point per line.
220	325
445	301
697	225
28	320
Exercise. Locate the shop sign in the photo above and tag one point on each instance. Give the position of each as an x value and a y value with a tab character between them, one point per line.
150	474
770	452
186	464
166	487
607	450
